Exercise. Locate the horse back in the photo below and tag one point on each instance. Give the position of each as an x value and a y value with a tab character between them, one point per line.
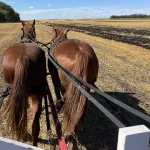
35	54
68	52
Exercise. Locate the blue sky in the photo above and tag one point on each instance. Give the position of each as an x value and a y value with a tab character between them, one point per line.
69	9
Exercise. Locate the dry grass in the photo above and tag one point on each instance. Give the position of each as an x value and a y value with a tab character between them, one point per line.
123	69
9	34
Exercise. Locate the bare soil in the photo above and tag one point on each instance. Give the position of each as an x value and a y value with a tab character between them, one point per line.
129	36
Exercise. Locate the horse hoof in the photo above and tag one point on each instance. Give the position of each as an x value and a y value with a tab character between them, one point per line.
59	104
27	137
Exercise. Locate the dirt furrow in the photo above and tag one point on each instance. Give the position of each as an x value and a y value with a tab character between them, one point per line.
130	36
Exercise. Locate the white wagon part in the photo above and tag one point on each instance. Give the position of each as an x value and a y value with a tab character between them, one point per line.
7	144
133	138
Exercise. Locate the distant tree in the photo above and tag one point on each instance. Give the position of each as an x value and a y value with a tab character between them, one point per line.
7	13
130	16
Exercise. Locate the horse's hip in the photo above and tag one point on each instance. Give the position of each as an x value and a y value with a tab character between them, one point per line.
37	65
92	70
8	68
70	57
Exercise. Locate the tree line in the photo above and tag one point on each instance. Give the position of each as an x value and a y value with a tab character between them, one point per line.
130	16
7	13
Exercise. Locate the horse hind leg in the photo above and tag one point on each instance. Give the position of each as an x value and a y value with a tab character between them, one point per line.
59	103
55	79
36	112
4	94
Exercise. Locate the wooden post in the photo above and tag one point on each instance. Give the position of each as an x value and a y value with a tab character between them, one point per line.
7	144
133	138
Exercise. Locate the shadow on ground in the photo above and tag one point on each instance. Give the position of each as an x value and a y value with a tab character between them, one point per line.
100	133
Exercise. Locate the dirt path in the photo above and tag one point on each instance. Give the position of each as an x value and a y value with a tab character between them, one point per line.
124	73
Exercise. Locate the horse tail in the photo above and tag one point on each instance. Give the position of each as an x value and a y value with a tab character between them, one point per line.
75	101
17	107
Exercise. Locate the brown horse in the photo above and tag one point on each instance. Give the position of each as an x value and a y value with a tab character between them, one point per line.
24	67
79	58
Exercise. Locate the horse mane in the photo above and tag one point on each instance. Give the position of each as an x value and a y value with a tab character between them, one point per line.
60	33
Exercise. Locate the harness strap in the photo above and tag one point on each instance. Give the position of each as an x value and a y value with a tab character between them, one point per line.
61	139
64	84
55	45
25	40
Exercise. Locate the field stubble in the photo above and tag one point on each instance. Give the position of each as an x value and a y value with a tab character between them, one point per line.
124	73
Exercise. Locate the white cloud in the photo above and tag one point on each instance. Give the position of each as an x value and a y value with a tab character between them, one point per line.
49	5
31	7
78	13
